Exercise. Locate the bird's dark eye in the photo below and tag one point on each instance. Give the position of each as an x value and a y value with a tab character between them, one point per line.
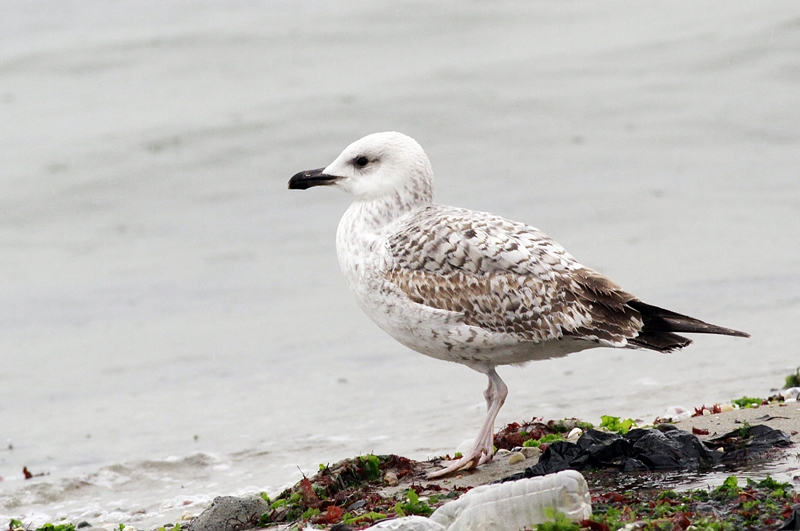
362	161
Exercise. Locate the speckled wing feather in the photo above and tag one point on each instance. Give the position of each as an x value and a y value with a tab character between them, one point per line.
505	276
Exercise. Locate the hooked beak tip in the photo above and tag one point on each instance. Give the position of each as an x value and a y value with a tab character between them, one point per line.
306	179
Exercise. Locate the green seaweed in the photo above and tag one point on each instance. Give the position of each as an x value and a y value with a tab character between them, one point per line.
17	524
557	521
616	425
373	466
744	430
757	505
729	487
412	506
793	380
368	517
747	402
547	439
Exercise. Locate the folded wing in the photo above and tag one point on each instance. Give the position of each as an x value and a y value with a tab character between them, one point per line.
507	277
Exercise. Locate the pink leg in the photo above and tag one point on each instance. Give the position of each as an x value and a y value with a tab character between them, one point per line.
483	451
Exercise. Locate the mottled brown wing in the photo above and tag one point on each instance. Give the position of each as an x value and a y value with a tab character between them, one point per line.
506	277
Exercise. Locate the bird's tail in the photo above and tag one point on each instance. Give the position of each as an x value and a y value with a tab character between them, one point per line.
660	325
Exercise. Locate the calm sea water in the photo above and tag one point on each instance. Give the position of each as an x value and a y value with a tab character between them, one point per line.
173	324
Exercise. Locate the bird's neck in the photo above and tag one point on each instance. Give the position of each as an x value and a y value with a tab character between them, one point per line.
374	215
362	233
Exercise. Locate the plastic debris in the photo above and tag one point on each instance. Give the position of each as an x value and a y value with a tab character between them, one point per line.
517	505
666	448
675	413
511	506
409	523
793	522
740	445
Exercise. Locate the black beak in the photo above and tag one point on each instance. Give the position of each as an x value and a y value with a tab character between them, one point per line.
307	179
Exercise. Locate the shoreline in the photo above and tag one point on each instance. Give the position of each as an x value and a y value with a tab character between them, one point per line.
784	416
396	477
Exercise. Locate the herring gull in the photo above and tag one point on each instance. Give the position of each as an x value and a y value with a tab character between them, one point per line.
472	287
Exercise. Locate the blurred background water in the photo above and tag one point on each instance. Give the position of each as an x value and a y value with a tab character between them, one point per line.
173	323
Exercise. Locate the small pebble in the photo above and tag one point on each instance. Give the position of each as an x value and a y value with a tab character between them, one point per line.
725	407
501	452
188	516
706	413
705	508
391	479
531	451
516	457
356	505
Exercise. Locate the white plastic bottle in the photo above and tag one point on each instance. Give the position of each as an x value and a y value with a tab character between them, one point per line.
511	506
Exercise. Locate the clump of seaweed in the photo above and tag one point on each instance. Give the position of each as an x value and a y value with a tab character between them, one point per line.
355	492
536	432
765	504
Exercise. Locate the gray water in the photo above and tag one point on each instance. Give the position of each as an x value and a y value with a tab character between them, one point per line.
173	323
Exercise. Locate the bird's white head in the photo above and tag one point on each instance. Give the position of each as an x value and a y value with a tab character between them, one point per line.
381	165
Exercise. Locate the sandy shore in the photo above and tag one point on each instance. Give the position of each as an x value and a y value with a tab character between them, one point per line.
784	416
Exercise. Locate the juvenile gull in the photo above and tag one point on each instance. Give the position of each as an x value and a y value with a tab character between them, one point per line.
472	287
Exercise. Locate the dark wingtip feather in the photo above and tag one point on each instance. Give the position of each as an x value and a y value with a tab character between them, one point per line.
659	325
656	318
